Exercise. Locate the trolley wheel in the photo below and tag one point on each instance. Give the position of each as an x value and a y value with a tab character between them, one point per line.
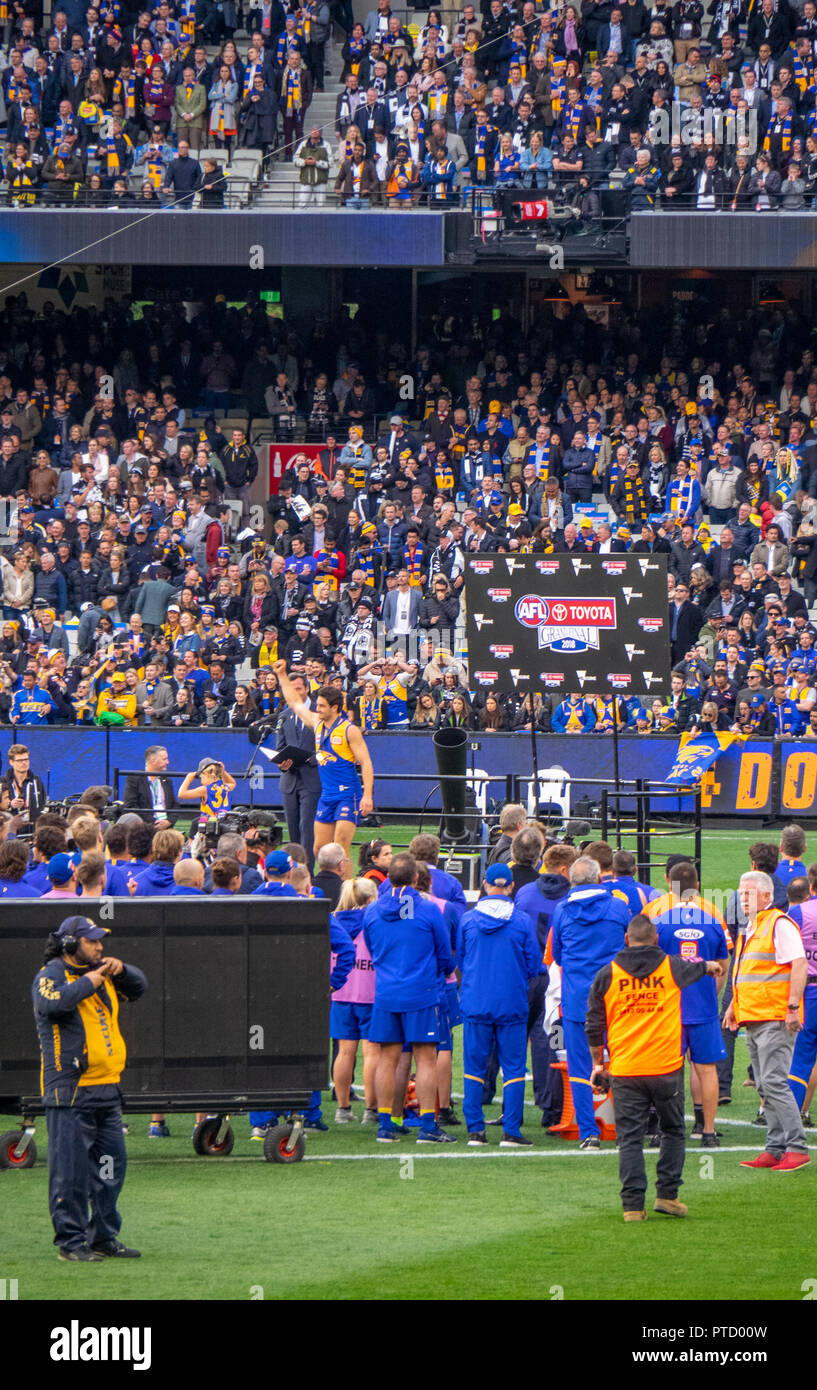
8	1145
206	1141
275	1145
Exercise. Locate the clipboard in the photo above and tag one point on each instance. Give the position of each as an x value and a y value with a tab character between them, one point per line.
298	756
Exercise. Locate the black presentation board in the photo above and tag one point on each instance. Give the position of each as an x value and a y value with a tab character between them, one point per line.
237	1003
569	622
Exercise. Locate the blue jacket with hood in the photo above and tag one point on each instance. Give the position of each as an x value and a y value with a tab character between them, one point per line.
498	954
539	900
588	930
409	944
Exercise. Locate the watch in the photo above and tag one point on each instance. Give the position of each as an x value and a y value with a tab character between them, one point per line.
792	1008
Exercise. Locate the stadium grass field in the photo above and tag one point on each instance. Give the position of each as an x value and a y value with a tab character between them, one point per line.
359	1220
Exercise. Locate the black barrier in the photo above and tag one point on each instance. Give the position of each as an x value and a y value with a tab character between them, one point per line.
449	750
236	1013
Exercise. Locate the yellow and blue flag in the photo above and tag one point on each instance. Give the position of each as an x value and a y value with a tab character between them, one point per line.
696	754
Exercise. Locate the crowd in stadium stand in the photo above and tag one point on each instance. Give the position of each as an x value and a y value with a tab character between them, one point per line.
109	105
694	438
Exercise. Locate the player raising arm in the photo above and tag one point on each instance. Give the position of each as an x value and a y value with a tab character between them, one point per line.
339	746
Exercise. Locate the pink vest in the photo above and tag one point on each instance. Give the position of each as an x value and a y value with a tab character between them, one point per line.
358	988
441	904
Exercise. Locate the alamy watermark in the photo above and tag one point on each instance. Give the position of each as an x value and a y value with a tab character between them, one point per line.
680	123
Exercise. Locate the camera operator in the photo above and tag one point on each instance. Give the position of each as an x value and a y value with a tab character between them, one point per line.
233	846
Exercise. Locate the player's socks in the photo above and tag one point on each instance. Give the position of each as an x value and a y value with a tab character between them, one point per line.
428	1120
384	1117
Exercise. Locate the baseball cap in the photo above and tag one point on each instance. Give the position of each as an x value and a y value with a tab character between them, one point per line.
585	523
117	676
496	499
60	869
278	862
499	875
77	926
515	510
173	608
396	420
205	763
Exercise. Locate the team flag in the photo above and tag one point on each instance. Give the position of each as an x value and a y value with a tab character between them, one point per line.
696	754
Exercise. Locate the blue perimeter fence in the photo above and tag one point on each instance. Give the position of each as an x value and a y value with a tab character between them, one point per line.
754	777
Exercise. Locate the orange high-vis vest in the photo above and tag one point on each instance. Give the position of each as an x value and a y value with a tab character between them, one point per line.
643	1022
760	986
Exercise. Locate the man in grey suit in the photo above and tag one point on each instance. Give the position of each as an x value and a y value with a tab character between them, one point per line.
455	145
401	608
301	785
152	599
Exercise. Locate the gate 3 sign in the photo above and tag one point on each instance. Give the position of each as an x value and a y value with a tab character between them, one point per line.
569	622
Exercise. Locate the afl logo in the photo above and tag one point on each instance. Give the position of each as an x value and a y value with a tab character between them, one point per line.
533	611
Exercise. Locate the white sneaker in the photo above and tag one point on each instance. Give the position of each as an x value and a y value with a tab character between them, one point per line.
257	1132
370	1117
344	1115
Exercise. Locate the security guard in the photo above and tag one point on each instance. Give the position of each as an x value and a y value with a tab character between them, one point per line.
636	1002
76	1009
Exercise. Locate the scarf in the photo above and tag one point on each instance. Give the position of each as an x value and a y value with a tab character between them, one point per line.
63	129
357	48
780	129
285	43
557	84
519	55
293	89
365	563
111	156
681	496
479	150
543	463
413	562
635	502
370	713
187	16
125	92
437	102
444	472
250	73
154	167
573	119
155	91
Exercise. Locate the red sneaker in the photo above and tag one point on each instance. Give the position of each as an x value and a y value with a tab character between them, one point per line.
791	1160
764	1160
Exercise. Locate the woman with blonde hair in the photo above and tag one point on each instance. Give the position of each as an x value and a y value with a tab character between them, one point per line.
351	1007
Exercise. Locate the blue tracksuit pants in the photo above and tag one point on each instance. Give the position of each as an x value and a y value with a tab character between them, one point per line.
86	1166
511	1041
579	1069
805	1047
259	1118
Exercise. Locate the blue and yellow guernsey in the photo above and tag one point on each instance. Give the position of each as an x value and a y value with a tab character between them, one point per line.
216	801
336	760
78	1028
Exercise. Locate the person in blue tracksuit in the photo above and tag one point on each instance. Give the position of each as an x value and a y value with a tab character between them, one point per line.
426	849
624	867
278	866
693	928
792	846
539	900
498	955
157	879
410	948
588	931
